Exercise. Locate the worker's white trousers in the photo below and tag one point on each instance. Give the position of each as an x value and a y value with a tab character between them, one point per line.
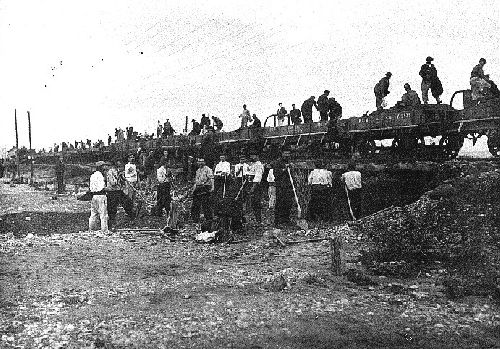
99	210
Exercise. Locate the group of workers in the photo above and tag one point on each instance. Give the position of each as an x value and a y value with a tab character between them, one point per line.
480	85
235	191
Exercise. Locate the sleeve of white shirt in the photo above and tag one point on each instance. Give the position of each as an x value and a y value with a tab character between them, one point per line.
96	182
259	171
270	176
310	177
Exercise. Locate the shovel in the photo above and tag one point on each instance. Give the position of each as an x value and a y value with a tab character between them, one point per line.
349	202
302	223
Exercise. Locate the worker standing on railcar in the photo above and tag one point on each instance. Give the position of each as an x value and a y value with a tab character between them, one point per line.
381	90
430	80
478	80
410	98
323	106
306	109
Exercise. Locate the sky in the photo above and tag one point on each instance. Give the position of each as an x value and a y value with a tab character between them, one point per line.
83	68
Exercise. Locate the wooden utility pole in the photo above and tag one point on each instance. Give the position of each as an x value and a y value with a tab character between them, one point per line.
17	146
337	255
186	127
31	151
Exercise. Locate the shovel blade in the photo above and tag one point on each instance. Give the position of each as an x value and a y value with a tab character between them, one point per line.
302	224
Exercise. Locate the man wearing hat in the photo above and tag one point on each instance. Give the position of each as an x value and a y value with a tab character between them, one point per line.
115	194
196	128
323	105
381	90
98	205
430	80
202	189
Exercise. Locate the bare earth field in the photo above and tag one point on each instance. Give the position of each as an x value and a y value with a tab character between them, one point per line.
63	287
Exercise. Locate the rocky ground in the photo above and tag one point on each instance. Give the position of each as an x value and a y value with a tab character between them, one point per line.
63	287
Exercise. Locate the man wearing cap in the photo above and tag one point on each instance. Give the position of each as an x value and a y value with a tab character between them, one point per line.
478	81
306	109
295	115
221	171
323	105
284	190
381	90
430	80
280	115
256	187
410	98
98	205
202	188
245	116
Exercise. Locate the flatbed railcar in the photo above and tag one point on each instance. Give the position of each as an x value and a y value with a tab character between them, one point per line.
406	127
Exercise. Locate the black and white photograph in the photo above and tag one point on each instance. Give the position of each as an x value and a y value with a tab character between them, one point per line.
249	174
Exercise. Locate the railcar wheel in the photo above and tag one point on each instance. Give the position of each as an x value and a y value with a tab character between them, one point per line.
451	144
494	143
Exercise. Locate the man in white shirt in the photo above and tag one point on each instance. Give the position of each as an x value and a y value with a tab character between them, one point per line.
271	190
98	205
241	170
320	205
131	177
352	183
163	198
221	171
256	187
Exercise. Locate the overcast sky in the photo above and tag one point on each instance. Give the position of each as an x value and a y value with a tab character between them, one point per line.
83	68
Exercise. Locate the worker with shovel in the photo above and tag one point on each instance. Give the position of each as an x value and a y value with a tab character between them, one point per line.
284	190
352	186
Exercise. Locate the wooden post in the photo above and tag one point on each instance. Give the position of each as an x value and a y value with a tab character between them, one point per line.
336	251
17	146
186	125
31	151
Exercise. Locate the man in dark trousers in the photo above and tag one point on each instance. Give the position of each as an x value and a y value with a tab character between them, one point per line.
218	124
2	168
352	185
381	90
115	182
284	190
196	128
430	80
202	190
334	109
295	115
306	109
60	175
163	197
323	106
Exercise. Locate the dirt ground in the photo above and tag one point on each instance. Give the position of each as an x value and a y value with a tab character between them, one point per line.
63	287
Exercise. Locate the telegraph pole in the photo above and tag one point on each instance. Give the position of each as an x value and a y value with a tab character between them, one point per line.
17	146
31	151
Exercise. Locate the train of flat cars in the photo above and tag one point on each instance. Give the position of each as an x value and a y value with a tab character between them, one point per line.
397	131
